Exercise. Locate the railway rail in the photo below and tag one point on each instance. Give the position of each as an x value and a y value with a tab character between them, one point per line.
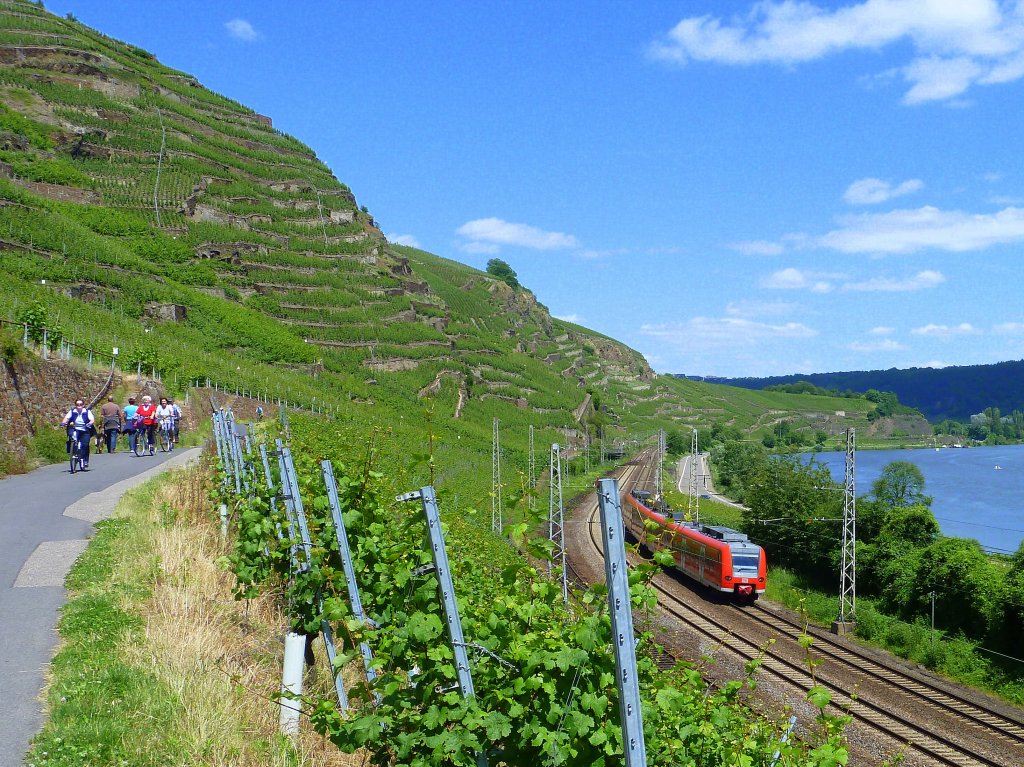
936	723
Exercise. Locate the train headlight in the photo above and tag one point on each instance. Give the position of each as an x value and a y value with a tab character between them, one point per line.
760	580
728	577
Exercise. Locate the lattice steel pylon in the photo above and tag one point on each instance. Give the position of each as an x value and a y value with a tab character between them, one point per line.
496	521
848	574
556	521
693	499
659	462
532	473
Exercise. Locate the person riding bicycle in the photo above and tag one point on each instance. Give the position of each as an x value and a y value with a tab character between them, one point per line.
80	424
165	418
177	419
146	413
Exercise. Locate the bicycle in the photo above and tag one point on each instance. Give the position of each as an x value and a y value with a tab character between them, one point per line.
76	448
166	436
145	440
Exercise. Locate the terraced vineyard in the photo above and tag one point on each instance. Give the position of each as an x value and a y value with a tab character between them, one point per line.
144	211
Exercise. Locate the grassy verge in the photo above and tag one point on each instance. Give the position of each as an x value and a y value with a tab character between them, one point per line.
159	665
953	657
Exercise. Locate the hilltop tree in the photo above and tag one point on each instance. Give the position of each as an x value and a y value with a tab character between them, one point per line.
901	484
500	269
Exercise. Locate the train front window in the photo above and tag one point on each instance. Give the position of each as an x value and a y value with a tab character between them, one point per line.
746	562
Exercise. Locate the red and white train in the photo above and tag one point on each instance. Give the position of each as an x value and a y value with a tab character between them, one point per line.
720	558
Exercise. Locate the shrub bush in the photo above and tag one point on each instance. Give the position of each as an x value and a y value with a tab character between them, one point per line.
49	444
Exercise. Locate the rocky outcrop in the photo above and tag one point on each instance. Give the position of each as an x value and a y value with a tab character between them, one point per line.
61	193
230	252
166	312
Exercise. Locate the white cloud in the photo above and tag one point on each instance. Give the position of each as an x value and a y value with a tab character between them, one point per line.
758	248
885	345
911	230
936	79
494	232
795	279
480	248
882	330
1009	328
871	191
952	45
575	319
920	281
934	364
240	29
946	331
701	333
751	308
404	239
588	254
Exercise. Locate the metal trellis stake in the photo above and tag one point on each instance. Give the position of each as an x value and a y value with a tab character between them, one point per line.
621	613
273	496
293	504
451	607
230	446
222	453
350	572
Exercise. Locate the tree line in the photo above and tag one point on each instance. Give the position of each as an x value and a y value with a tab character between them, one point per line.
794	509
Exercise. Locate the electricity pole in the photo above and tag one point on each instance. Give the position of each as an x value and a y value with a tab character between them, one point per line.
848	575
496	521
532	474
556	520
693	499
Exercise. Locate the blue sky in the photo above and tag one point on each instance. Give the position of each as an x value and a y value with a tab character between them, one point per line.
742	188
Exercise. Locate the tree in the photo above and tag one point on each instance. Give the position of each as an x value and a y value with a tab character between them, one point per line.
675	443
901	484
969	592
793	512
498	268
911	526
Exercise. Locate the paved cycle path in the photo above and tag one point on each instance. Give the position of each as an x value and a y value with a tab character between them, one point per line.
46	519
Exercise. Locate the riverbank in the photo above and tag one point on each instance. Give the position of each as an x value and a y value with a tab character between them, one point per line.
975	492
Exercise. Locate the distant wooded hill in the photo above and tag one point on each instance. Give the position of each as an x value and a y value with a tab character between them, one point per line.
954	392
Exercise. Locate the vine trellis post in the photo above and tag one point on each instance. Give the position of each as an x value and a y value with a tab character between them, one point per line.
620	611
350	574
451	608
293	505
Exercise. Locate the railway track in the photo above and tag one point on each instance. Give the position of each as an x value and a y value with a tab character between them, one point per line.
788	662
969	714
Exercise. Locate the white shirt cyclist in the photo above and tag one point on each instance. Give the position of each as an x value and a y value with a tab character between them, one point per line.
164	412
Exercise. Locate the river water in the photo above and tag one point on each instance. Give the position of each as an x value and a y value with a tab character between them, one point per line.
978	492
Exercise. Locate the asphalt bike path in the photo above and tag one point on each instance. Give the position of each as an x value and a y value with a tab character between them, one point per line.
46	520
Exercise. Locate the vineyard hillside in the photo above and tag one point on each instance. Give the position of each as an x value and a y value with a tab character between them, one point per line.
140	210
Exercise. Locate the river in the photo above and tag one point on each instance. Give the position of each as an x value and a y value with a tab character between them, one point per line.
978	492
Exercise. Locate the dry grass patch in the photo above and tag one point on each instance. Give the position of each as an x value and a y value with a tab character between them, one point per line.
220	657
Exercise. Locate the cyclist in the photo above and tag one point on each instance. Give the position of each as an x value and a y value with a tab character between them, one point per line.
129	422
111	415
165	418
177	420
147	429
80	424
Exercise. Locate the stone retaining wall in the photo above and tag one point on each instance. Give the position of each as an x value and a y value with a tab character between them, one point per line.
39	393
